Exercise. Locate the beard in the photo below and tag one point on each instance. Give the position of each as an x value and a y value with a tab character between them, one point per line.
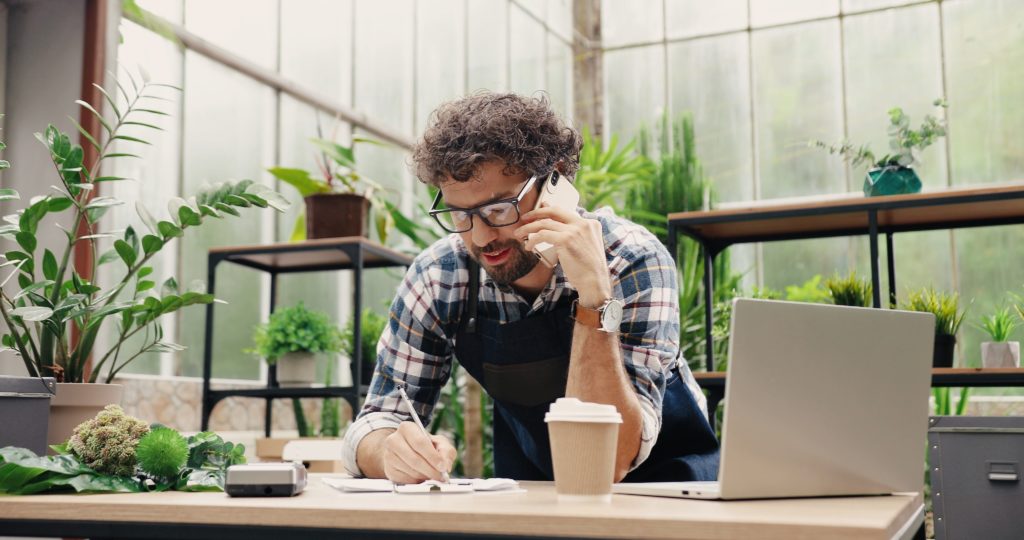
518	264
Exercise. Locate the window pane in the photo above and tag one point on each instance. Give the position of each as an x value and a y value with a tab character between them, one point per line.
316	46
797	98
216	98
527	54
985	70
559	68
719	99
384	63
635	21
153	180
886	70
697	17
440	66
634	89
247	28
766	12
862	5
560	19
487	43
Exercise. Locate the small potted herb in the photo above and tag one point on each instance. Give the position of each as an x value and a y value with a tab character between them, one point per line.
372	326
849	291
1000	352
892	174
291	339
948	319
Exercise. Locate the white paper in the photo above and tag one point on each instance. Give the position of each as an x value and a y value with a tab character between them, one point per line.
457	485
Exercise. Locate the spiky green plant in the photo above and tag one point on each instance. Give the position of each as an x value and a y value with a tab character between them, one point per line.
162	452
849	290
605	174
945	307
999	325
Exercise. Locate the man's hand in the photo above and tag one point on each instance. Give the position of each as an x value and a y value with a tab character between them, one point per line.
580	246
410	457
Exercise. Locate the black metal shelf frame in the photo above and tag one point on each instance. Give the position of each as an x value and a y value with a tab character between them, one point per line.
870	208
356	251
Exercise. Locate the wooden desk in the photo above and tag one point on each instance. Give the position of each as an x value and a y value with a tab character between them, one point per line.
322	512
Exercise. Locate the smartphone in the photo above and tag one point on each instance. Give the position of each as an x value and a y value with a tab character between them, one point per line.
556	191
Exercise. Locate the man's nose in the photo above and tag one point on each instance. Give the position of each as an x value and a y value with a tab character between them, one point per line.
482	233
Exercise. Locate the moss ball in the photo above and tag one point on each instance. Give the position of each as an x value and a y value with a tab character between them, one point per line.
162	452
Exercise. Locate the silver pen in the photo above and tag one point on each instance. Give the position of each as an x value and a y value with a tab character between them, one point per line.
416	418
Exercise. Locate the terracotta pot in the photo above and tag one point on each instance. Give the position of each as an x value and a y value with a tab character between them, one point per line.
77	402
334	215
296	369
1003	354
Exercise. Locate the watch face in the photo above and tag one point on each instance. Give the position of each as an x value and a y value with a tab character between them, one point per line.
611	316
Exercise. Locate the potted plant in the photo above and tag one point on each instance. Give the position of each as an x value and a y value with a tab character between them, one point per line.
892	174
849	291
372	326
291	339
1000	352
948	319
338	198
54	296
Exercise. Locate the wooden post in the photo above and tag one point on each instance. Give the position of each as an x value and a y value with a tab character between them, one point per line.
588	78
473	457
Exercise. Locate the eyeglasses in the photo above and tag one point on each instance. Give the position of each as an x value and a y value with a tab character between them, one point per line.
501	213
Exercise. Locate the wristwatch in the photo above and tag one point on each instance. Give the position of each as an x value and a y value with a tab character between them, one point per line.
605	318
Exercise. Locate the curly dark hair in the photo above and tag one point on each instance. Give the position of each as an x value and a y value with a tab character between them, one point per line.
523	132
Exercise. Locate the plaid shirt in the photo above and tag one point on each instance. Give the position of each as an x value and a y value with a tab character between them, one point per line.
416	348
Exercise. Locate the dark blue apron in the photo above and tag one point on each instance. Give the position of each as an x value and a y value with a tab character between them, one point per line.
524	366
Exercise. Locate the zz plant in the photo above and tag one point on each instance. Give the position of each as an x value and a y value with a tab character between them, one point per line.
54	296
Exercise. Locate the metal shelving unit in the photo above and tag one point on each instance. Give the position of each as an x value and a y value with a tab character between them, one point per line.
353	253
850	215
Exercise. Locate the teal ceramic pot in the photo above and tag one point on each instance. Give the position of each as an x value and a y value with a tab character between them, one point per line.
892	180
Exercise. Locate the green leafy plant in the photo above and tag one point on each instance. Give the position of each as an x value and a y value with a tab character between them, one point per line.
166	460
605	175
849	291
903	141
54	296
296	329
999	325
811	291
336	173
945	307
371	327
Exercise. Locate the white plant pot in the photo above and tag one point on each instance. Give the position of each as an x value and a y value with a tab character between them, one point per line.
1001	354
75	403
296	369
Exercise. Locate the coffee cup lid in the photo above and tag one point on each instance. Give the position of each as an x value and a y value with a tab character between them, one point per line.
574	410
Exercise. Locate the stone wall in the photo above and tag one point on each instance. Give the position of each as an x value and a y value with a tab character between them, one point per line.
177	402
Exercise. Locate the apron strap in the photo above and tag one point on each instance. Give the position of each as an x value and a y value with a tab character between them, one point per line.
474	293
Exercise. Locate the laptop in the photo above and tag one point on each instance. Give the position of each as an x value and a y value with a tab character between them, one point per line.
821	400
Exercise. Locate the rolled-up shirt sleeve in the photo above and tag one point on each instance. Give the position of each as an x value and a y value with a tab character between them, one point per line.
413	353
646	282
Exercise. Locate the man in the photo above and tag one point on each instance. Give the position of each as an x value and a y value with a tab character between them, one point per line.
527	332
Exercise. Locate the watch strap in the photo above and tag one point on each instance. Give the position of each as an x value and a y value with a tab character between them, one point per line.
586	316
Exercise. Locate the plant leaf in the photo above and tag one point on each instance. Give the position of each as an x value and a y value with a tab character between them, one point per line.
49	265
169	230
32	313
126	252
7	194
151	244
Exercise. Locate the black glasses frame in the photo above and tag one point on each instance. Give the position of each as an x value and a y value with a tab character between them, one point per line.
435	212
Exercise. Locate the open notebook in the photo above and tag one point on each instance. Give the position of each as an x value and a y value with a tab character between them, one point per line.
457	485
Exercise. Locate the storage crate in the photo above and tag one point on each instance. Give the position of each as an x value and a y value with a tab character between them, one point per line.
25	411
975	468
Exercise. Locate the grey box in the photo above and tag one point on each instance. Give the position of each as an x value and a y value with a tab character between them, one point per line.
975	467
25	411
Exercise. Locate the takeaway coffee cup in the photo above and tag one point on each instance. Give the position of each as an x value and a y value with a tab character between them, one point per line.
583	443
